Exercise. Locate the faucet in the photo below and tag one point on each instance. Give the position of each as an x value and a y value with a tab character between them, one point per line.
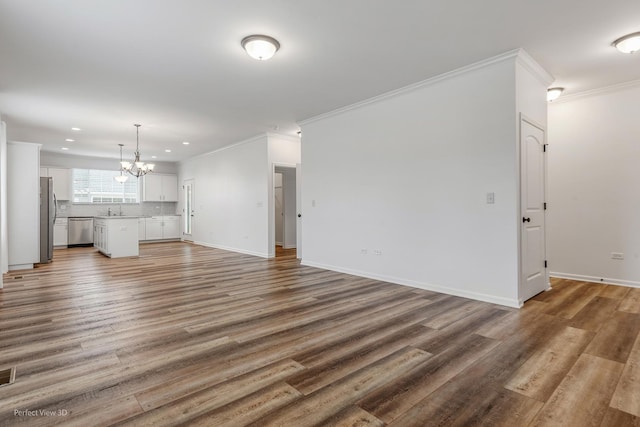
120	209
109	212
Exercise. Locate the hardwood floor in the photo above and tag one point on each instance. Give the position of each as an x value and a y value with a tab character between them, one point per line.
198	336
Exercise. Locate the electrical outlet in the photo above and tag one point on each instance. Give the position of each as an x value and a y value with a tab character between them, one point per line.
617	255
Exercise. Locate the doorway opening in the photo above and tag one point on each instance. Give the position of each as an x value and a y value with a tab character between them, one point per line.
187	210
285	211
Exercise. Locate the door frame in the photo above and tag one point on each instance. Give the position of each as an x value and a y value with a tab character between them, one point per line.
521	280
186	215
272	198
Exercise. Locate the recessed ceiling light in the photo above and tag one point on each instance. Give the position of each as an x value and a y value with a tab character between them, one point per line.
260	47
629	43
76	129
167	151
69	140
553	93
185	143
64	148
154	157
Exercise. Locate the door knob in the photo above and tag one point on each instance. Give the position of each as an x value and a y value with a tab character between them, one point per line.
526	219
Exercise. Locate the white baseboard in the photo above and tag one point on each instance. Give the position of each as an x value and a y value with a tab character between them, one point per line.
230	249
289	246
605	280
414	284
20	267
279	244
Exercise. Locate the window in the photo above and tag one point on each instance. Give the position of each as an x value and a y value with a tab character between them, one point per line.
99	186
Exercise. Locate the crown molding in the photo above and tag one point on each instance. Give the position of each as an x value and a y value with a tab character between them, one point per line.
227	147
534	68
597	91
510	55
283	136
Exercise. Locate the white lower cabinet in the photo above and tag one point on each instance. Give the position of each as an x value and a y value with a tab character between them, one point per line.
142	227
153	228
61	232
162	227
171	228
116	236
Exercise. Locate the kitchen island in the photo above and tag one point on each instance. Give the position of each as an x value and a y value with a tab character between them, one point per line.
116	236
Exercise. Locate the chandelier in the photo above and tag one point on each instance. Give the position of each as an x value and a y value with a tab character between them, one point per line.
122	178
138	168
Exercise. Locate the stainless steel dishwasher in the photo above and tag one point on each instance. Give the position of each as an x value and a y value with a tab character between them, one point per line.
80	231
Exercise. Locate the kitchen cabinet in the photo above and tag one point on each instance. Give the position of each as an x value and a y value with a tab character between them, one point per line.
142	227
23	205
162	227
116	236
153	228
61	232
61	181
159	188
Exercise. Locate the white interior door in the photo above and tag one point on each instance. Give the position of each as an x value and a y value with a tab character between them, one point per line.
532	182
188	211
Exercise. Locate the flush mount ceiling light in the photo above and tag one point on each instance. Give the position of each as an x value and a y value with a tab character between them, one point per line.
260	47
553	93
629	43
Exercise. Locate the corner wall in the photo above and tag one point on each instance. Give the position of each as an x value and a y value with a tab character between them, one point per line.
395	188
4	242
231	197
594	181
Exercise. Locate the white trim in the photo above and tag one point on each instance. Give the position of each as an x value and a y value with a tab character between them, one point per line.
598	91
226	147
604	280
420	285
292	138
289	246
534	68
230	249
415	86
20	267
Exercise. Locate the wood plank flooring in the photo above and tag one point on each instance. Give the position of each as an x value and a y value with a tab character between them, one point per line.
188	335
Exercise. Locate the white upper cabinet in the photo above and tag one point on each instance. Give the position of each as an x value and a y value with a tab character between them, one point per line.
159	188
61	181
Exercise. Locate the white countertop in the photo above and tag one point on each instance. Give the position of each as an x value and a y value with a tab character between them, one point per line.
118	217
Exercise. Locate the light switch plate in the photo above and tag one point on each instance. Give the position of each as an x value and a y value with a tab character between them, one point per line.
491	198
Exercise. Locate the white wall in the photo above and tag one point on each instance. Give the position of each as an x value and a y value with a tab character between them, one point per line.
23	204
594	186
62	160
408	174
4	246
231	188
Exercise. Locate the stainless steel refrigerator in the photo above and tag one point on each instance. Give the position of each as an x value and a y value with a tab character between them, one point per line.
48	213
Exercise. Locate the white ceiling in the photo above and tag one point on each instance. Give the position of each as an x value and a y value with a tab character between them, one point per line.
176	66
